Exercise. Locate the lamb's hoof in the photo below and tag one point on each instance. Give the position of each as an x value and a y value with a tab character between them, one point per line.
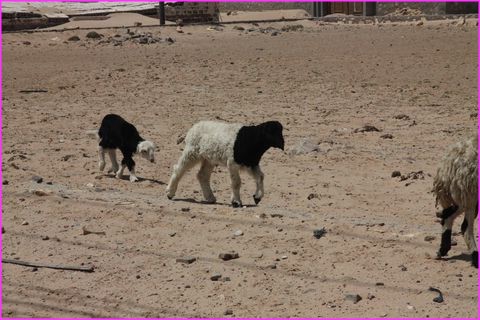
236	204
169	197
257	200
442	252
475	259
118	176
210	201
112	170
133	179
101	166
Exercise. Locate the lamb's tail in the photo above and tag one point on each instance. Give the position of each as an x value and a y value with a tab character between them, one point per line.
93	134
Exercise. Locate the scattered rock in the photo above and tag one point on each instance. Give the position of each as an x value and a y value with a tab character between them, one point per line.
228	256
370	296
292	27
318	233
215	277
27	43
172	234
180	139
274	33
396	173
37	179
45	238
238	28
284	257
379	284
312	196
238	233
272	266
185	209
85	232
25	223
94	35
276	215
74	38
410	307
137	24
366	128
34	269
439	298
228	312
386	136
187	260
401	117
41	193
67	157
355	298
5	182
429	238
3	230
305	146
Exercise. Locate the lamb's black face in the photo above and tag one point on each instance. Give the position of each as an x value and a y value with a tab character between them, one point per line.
273	131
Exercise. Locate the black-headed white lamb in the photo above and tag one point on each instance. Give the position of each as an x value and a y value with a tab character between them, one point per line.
235	146
116	133
456	188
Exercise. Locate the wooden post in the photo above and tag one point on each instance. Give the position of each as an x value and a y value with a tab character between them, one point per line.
161	13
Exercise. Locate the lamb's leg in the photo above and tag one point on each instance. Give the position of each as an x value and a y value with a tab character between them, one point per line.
101	158
469	236
203	176
446	243
257	174
113	158
185	163
234	170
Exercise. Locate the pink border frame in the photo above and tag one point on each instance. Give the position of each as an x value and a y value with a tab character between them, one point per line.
1	121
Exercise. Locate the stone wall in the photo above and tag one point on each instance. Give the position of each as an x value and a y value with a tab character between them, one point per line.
259	6
427	8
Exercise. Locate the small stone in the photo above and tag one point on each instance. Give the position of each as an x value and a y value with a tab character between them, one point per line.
34	269
410	307
90	185
228	312
187	260
45	238
318	233
239	28
185	209
366	128
25	223
312	196
379	284
386	136
403	268
225	279
94	35
284	257
370	296
40	193
74	38
228	256
3	230
276	215
238	233
396	173
355	298
27	43
172	234
429	238
5	182
215	277
272	266
137	276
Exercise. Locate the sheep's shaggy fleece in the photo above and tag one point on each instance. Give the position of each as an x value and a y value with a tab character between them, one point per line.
456	181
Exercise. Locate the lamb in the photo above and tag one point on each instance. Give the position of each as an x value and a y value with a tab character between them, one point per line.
456	189
235	146
116	133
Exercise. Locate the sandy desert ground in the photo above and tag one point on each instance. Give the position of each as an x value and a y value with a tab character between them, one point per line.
415	83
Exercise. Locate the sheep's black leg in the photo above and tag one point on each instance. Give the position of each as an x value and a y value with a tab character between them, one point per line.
446	243
447	213
464	225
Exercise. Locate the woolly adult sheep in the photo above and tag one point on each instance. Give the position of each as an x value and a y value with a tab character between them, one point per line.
456	189
235	146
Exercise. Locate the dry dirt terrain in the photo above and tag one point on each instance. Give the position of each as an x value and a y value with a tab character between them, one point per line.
416	84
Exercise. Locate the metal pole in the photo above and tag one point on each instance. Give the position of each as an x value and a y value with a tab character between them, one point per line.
161	12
